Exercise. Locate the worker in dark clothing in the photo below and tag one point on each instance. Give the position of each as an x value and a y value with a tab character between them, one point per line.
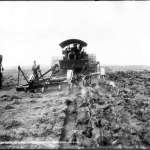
36	70
1	75
76	50
80	47
71	55
74	138
1	71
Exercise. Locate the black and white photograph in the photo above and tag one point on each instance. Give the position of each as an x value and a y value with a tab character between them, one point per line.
74	74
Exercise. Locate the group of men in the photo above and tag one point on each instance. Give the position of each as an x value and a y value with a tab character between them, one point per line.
74	53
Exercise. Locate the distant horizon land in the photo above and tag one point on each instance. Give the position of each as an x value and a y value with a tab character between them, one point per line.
104	65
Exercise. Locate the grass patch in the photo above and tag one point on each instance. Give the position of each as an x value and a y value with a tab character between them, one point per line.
43	119
15	97
5	137
33	101
15	135
35	96
12	124
9	107
16	102
5	98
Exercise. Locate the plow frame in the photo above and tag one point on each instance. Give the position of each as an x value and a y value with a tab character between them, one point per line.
43	83
39	83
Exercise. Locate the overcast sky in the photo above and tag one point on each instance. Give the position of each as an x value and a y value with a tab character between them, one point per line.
117	32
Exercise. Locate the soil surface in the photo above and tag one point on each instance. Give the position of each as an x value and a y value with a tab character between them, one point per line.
98	115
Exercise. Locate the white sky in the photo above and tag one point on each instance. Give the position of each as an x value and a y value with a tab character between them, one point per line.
117	32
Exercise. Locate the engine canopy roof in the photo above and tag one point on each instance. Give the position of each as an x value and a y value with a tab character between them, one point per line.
72	41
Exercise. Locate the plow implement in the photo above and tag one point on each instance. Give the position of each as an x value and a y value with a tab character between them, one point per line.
43	82
39	83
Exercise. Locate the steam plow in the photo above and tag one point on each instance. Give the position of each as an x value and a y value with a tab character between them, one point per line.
77	65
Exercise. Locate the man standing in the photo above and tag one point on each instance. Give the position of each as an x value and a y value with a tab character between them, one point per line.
98	70
102	72
35	69
69	78
1	71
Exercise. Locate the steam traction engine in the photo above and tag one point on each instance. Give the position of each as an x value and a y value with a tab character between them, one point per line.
75	58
